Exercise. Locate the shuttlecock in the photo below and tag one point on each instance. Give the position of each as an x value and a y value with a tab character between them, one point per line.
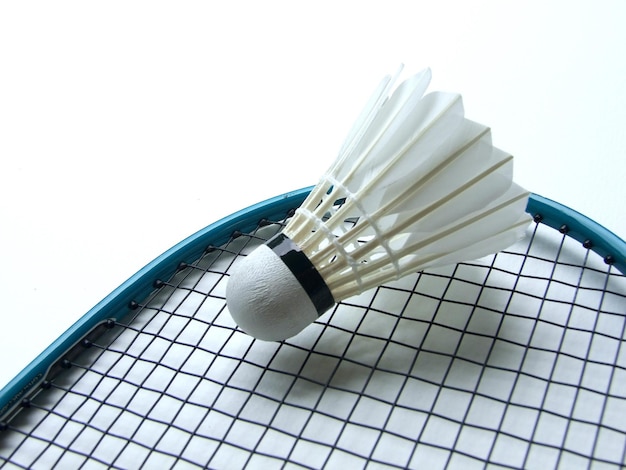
415	185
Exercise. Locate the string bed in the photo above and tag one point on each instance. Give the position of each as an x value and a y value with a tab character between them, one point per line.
515	360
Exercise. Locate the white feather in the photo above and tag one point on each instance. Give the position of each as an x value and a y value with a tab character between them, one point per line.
425	186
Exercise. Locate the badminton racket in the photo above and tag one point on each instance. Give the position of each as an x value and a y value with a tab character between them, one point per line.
516	360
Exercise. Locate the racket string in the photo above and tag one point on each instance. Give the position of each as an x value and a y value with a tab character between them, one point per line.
434	368
552	278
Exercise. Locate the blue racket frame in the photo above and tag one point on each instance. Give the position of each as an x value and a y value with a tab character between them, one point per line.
118	303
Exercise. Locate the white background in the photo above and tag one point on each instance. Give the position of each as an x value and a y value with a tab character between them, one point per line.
126	126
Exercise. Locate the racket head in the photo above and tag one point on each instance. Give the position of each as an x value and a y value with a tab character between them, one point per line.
415	350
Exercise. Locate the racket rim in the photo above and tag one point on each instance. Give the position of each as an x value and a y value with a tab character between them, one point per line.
119	302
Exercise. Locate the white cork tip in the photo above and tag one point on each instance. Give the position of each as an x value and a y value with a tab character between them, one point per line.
266	300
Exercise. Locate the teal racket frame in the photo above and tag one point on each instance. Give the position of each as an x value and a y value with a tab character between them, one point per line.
118	303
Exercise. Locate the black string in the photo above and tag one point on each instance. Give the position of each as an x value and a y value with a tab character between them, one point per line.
516	360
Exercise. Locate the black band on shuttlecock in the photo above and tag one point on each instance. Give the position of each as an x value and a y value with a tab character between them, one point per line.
303	270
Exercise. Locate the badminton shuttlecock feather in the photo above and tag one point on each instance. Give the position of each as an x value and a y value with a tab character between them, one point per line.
415	185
